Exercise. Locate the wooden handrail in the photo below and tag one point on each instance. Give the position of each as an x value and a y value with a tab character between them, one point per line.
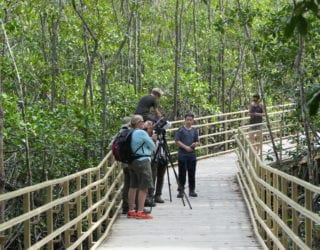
266	188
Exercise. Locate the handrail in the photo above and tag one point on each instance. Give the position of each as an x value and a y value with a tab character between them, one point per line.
283	221
78	210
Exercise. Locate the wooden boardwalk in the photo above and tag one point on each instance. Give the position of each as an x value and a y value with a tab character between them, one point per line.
218	219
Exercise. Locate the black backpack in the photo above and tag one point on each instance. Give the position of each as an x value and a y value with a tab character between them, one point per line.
121	147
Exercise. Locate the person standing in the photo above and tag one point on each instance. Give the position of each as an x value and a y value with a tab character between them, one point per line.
140	168
187	139
125	124
148	103
256	112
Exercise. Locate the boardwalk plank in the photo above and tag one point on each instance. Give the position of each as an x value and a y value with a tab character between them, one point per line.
218	218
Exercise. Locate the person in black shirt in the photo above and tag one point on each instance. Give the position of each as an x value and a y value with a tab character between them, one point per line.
148	102
256	112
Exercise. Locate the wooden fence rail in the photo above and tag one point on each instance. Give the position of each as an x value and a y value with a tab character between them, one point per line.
285	209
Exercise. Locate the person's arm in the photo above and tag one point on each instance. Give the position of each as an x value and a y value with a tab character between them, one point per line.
187	148
250	110
263	110
157	113
148	140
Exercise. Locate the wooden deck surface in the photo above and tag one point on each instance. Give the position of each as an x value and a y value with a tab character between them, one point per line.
218	218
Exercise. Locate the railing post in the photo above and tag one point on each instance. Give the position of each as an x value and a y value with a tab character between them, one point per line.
26	224
226	133
284	188
275	204
79	210
49	217
294	212
98	197
206	132
268	203
66	212
89	177
307	221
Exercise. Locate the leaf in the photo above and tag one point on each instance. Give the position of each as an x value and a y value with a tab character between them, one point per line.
302	26
288	31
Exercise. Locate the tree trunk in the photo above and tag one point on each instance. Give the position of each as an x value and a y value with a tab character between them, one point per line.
54	55
2	173
300	79
210	68
221	63
176	61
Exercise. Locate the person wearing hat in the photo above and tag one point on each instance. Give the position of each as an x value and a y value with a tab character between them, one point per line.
256	112
148	103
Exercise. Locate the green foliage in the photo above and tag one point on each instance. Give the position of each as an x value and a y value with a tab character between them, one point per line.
313	101
69	124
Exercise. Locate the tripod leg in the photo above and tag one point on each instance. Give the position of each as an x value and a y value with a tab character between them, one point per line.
169	184
166	150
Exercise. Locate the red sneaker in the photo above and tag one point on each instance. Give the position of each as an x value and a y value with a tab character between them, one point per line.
142	215
132	214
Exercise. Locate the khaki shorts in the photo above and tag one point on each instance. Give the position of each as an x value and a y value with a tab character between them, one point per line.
140	174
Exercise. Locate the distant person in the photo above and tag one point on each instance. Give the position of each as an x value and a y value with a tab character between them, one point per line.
149	103
140	168
187	138
256	112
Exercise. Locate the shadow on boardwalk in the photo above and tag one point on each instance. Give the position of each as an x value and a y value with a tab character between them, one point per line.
218	218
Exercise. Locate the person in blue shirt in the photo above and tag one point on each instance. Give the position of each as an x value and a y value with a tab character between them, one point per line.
140	169
187	138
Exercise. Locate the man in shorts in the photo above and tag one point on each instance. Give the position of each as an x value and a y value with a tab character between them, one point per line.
140	169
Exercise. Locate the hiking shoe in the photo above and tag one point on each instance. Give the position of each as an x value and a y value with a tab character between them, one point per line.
180	195
142	215
132	214
158	199
193	194
149	203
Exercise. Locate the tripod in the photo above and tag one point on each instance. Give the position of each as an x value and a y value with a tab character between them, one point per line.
163	148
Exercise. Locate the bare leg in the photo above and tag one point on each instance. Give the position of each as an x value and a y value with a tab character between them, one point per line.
131	198
141	199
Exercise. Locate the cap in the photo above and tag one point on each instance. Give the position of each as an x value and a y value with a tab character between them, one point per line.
157	91
126	120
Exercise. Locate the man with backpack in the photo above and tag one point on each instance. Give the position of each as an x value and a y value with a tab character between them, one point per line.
140	168
125	126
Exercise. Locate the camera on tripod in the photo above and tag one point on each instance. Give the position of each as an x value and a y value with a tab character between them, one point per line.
161	125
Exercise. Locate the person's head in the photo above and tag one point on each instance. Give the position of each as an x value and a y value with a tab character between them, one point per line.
148	126
189	119
137	122
157	92
255	97
125	122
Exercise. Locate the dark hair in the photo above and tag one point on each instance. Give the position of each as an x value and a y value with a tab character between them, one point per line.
189	115
256	95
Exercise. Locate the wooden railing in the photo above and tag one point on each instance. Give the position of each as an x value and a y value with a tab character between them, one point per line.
284	209
77	211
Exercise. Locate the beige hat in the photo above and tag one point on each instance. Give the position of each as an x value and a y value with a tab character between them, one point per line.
126	120
157	91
